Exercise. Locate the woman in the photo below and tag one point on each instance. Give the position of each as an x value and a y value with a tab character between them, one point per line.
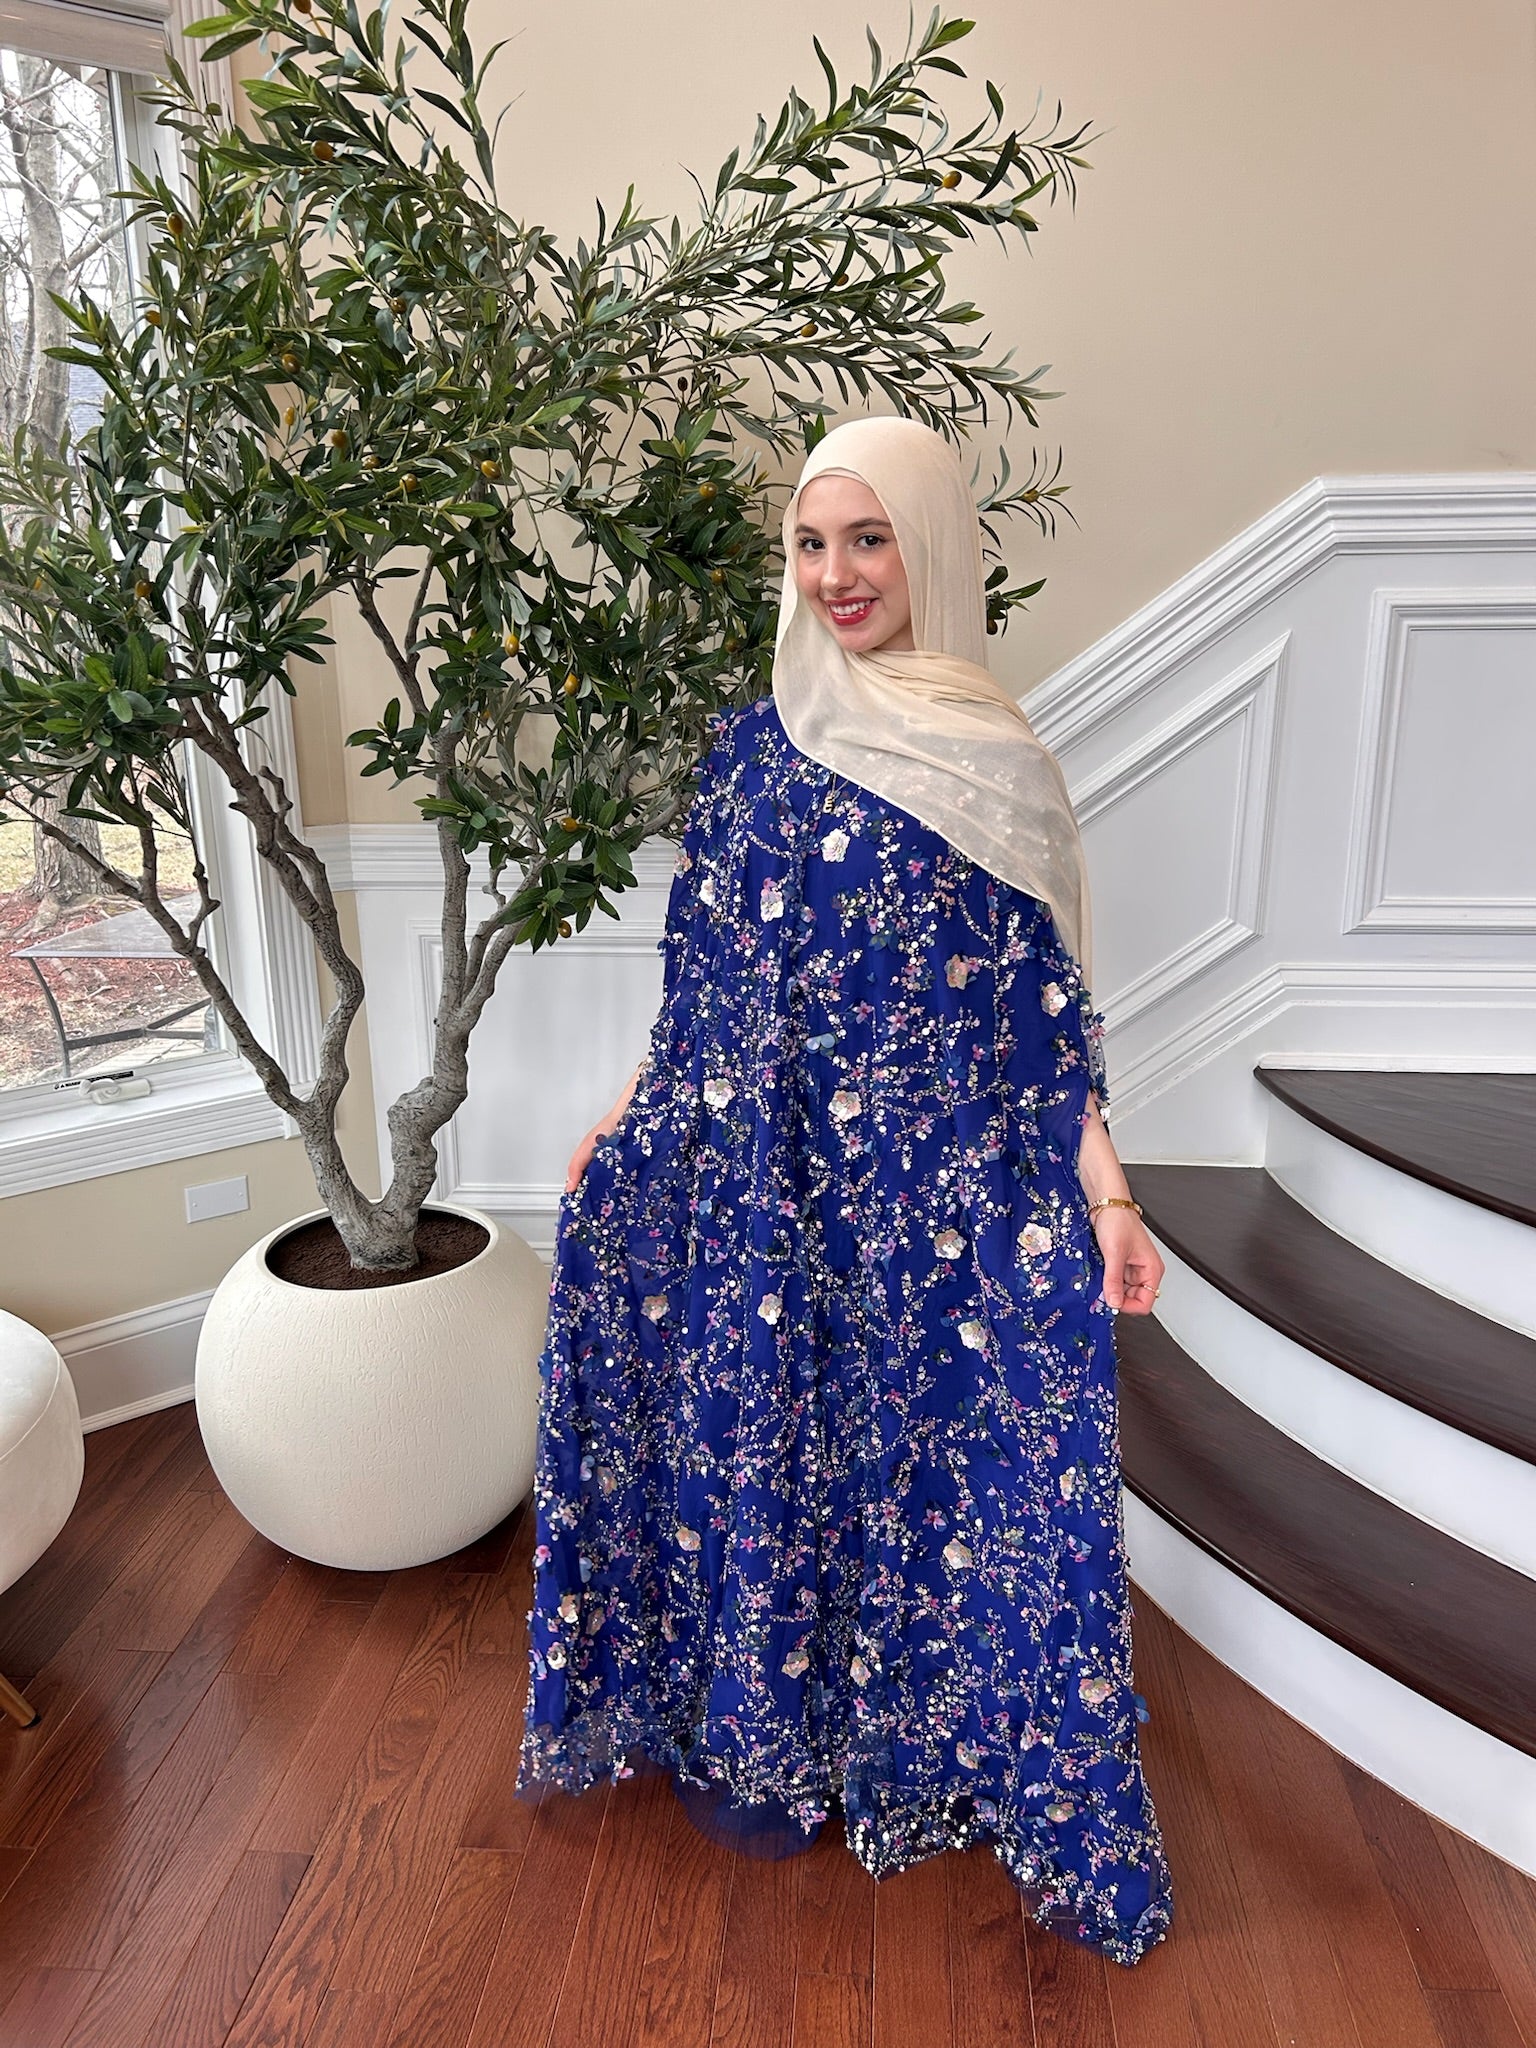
828	1483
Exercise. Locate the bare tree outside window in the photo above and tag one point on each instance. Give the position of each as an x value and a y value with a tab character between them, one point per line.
63	233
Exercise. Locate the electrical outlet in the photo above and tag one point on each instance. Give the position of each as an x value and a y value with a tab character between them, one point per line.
217	1198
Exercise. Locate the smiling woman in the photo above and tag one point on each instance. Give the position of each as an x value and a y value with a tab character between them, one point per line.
848	566
827	1484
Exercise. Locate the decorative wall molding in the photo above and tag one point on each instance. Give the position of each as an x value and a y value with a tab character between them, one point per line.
1248	699
1390	986
531	1208
270	948
375	857
1326	518
1399	618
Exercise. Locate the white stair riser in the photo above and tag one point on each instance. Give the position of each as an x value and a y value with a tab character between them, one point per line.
1485	1261
1462	1775
1457	1483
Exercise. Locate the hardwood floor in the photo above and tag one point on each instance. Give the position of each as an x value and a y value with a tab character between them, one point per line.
269	1806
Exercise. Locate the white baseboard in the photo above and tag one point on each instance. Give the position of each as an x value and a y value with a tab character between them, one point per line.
133	1364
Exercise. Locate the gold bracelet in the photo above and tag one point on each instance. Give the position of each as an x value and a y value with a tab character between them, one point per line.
1113	1202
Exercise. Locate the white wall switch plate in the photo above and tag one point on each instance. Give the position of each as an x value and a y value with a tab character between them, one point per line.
217	1198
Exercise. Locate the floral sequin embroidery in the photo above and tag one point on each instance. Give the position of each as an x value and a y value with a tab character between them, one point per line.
828	1452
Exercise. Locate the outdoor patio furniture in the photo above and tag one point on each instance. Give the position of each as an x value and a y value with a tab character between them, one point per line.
125	935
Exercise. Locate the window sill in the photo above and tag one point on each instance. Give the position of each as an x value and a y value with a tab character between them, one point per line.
218	1104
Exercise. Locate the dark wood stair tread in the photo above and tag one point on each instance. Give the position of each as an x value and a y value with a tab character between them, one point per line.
1455	1626
1474	1135
1242	1232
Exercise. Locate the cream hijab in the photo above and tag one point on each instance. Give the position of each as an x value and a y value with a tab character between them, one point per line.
932	732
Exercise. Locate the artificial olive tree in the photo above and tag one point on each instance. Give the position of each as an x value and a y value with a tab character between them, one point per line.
348	363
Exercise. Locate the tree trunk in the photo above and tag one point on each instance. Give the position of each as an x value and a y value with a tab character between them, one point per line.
35	148
63	879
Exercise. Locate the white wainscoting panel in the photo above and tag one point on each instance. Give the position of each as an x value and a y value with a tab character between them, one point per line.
1444	831
1197	786
558	1038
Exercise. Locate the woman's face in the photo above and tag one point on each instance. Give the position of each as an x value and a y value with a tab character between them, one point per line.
848	566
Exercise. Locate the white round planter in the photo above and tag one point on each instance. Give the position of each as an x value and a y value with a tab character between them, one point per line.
375	1427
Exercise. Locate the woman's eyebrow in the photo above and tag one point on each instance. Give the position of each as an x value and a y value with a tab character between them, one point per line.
802	531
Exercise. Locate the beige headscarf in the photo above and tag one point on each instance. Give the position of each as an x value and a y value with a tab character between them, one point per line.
932	732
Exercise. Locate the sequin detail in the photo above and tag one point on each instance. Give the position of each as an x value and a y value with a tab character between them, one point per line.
827	1485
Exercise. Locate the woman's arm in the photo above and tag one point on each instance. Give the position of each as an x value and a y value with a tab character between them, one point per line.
600	1129
1133	1271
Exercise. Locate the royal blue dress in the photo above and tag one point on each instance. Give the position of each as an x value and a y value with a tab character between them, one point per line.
827	1488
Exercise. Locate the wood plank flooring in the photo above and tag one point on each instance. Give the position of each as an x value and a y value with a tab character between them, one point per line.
270	1805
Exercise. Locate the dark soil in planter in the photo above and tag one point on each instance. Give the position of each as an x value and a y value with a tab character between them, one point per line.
313	1255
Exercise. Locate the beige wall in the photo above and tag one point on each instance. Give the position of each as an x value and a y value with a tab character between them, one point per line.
1303	248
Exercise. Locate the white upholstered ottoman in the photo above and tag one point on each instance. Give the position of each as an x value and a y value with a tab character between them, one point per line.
42	1460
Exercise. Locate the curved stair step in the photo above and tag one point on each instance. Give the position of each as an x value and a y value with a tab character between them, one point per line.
1243	1233
1454	1626
1471	1135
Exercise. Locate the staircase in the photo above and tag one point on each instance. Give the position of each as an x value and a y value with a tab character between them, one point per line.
1329	1431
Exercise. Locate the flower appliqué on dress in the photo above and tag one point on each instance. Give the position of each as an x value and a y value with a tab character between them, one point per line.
874	1556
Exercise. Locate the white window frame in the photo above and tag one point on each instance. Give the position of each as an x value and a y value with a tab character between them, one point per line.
50	1133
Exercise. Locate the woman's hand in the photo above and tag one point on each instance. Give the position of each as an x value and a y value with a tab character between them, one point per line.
601	1129
587	1145
1133	1272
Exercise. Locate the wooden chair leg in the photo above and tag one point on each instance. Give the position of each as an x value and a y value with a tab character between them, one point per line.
19	1708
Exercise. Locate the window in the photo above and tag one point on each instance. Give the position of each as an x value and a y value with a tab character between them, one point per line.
91	996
